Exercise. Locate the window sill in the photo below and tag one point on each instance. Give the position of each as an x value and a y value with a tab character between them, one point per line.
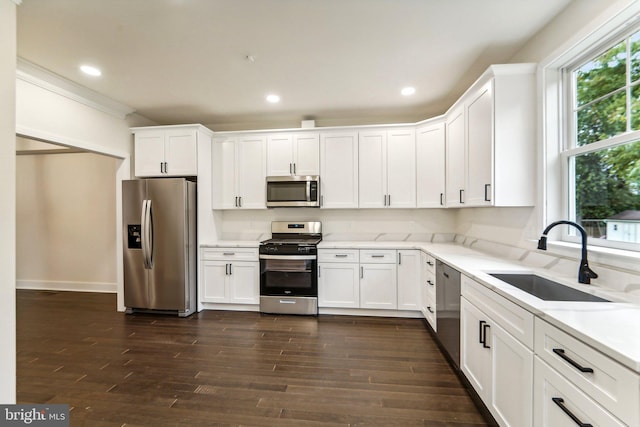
597	254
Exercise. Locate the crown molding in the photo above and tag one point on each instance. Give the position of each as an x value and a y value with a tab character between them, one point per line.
34	74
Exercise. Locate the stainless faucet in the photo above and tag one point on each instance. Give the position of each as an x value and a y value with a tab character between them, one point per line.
585	274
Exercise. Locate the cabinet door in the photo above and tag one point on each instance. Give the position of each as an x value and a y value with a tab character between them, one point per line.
511	401
251	170
378	287
224	174
479	147
430	166
475	358
456	168
181	152
338	285
372	173
280	155
244	282
401	168
556	399
306	153
409	280
149	153
215	281
339	170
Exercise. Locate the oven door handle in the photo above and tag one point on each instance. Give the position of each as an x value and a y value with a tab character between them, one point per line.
290	257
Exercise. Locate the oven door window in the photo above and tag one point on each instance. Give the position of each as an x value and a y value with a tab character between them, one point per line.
287	191
288	277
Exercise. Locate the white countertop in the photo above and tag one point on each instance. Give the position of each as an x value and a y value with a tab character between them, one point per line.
610	327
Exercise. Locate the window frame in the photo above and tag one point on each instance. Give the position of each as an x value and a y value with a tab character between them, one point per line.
569	150
557	122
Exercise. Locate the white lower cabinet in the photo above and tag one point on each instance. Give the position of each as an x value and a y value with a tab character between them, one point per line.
230	276
498	366
559	403
378	286
338	278
409	279
590	376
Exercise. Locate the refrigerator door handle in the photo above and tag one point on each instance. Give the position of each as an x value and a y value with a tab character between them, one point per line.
147	234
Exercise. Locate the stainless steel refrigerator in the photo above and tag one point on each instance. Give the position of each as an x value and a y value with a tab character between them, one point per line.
159	232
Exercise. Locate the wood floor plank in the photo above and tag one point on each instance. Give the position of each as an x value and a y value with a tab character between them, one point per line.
219	368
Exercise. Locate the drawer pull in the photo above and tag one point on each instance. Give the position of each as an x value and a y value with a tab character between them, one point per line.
430	264
377	256
560	352
430	282
429	308
341	255
228	253
560	402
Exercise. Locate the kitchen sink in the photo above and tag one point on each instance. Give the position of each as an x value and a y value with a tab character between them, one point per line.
546	289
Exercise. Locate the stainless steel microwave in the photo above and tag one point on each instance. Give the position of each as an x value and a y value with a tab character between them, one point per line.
293	191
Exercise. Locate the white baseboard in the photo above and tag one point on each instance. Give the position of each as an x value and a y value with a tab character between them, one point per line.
50	285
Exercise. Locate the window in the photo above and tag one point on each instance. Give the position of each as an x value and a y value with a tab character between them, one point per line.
601	153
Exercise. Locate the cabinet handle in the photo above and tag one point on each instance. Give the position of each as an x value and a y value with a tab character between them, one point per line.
560	402
341	255
294	168
486	192
166	167
385	199
399	258
430	282
230	270
240	201
389	200
377	256
461	196
484	330
228	253
429	263
441	199
480	338
236	202
226	269
445	274
560	352
161	167
429	308
362	272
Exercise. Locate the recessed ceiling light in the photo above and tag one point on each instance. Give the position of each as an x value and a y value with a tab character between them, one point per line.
90	70
274	99
407	91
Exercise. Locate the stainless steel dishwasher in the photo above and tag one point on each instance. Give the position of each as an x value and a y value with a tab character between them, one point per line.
448	310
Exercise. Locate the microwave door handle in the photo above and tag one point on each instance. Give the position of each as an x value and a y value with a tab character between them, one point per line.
308	189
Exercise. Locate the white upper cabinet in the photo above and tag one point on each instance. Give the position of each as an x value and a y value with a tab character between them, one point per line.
430	165
387	168
239	172
296	153
491	140
455	159
168	150
339	170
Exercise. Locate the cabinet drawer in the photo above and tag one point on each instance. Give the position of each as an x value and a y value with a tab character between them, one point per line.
338	255
230	254
556	400
511	317
431	263
610	384
383	256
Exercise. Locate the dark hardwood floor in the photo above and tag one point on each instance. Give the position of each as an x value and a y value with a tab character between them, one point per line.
231	368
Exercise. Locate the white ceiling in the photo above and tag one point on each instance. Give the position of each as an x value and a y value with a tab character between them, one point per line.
338	61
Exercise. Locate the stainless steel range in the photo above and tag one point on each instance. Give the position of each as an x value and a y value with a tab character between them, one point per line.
289	268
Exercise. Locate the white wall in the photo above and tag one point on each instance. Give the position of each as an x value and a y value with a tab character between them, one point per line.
66	222
7	202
